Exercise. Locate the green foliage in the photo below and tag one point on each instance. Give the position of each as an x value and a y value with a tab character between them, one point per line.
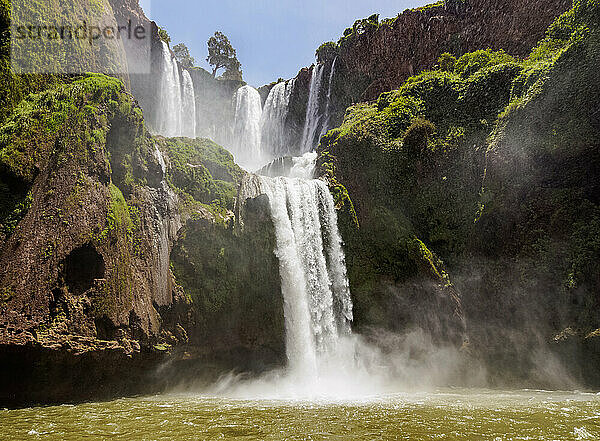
360	27
13	88
182	53
164	35
203	170
118	218
221	54
447	62
66	108
471	62
233	280
13	207
418	148
418	136
327	52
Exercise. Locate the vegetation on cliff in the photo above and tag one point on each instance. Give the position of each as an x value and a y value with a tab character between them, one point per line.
92	206
232	277
203	173
492	163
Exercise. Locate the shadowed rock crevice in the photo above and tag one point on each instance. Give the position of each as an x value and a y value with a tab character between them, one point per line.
81	268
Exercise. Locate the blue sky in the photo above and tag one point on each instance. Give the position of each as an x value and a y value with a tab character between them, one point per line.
273	38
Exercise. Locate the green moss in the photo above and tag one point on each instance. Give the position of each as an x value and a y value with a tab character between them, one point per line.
119	218
327	52
41	117
204	171
162	347
232	277
360	27
472	62
13	208
6	294
447	62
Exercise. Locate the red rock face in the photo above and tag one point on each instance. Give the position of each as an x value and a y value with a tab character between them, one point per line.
414	41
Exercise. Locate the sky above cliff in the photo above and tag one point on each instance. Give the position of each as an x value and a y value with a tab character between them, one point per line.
273	38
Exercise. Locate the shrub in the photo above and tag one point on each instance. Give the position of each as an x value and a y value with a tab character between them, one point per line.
164	35
472	62
327	51
417	137
446	62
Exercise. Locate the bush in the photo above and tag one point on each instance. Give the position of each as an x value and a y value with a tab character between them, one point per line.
417	137
327	51
164	35
446	62
472	62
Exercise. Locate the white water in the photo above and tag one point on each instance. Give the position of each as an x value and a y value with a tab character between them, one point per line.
274	136
176	115
304	166
313	117
327	115
188	111
246	131
169	117
304	216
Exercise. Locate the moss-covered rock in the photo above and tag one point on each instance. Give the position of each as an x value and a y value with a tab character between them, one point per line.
520	249
203	170
232	278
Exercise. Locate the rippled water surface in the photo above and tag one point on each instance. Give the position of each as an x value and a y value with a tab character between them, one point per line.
441	415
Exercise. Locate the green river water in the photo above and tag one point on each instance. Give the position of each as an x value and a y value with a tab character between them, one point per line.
449	414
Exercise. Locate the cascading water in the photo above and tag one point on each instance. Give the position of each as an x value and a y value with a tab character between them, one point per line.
304	166
313	117
176	115
327	117
274	138
246	131
317	303
188	110
169	116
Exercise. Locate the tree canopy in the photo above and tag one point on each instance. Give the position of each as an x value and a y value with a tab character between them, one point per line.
182	53
222	55
164	35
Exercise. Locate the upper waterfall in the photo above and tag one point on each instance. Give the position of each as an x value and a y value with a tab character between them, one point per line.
169	113
275	140
189	107
313	117
327	117
246	131
176	115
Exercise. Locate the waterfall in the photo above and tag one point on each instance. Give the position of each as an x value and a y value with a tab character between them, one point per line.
176	115
169	114
313	118
327	115
317	304
248	110
304	166
274	137
188	110
277	167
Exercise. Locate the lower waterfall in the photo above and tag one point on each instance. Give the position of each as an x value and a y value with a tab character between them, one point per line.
324	358
317	304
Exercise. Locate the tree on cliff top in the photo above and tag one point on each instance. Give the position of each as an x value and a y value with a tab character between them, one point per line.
182	53
222	55
164	35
